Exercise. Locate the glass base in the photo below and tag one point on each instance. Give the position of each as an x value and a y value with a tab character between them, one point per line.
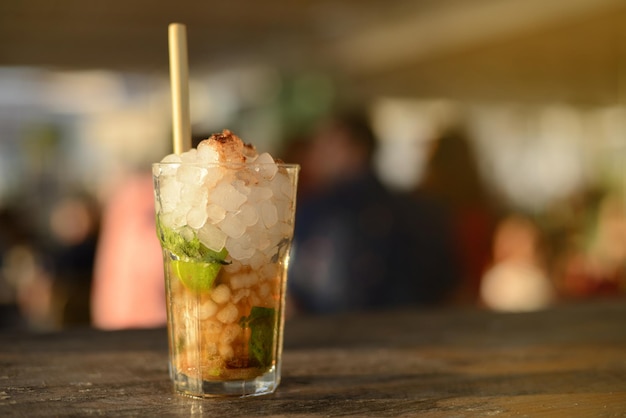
198	388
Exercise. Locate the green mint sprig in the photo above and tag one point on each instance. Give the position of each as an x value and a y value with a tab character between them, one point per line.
262	323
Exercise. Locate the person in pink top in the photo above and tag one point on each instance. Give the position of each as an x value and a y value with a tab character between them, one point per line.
128	289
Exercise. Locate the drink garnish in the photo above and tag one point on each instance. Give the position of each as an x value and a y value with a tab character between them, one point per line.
196	265
261	323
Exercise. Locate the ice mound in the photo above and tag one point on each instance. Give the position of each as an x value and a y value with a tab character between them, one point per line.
227	195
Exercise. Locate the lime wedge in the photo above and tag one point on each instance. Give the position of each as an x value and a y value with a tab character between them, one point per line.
196	276
196	265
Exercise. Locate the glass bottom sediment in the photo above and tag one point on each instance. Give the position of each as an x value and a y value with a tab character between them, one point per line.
199	388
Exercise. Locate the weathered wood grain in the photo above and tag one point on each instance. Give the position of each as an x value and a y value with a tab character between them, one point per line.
567	361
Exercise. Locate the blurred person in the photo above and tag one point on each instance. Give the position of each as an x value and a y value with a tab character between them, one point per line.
129	285
128	289
516	281
34	288
74	224
17	268
593	264
452	179
295	151
357	246
26	285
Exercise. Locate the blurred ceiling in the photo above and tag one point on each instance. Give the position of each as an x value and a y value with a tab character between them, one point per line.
517	50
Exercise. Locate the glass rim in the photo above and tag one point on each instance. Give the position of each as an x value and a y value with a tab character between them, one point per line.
225	164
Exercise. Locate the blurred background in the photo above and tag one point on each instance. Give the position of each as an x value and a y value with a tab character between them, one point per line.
510	113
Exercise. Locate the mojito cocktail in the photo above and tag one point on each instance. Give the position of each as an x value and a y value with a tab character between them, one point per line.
225	219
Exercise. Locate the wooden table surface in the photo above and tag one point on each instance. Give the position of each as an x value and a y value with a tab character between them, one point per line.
567	361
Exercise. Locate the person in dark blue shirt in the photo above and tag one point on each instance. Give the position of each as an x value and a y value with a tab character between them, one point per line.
357	245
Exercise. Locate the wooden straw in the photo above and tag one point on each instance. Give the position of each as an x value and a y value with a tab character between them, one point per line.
179	80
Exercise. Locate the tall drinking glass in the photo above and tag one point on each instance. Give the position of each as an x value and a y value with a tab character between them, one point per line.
226	232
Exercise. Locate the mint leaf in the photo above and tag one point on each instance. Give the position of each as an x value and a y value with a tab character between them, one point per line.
262	323
192	250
